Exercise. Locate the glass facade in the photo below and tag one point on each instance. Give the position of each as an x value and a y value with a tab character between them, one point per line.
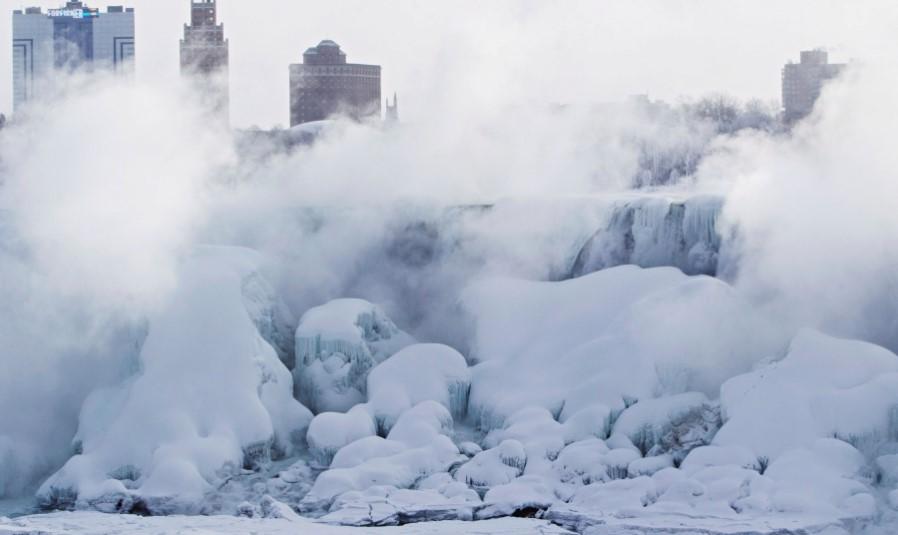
65	39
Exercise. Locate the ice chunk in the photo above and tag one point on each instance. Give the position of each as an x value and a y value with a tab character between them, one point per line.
337	344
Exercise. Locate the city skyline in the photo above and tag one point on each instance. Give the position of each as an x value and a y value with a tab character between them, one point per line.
449	51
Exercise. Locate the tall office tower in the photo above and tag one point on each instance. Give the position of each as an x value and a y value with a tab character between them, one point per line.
204	55
324	85
802	83
74	37
391	116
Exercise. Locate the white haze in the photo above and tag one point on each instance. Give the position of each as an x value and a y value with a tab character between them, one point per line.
106	185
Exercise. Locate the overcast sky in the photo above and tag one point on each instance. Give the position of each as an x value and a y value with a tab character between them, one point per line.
509	50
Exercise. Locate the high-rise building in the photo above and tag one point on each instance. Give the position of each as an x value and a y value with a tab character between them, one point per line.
324	85
802	82
391	116
74	37
204	54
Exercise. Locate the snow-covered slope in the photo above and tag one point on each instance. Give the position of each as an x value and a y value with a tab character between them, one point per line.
210	398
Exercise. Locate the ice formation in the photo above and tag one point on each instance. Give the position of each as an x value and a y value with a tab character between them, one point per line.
206	402
337	344
628	398
653	232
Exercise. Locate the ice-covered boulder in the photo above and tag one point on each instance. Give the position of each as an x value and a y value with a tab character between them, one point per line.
330	431
495	466
420	372
525	495
672	424
824	387
337	344
211	398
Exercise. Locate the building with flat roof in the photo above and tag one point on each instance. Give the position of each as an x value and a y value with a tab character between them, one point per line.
324	84
803	82
204	55
73	37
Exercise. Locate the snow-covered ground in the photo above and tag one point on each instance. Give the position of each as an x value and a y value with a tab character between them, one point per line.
102	524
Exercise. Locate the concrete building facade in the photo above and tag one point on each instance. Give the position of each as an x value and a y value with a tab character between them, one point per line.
803	82
205	55
74	37
324	84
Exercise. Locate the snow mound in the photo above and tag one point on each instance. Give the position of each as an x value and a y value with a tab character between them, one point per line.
609	338
330	431
824	387
337	344
417	447
420	372
206	403
495	466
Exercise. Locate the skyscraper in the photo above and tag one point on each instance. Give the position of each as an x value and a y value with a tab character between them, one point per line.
324	85
204	55
74	37
802	82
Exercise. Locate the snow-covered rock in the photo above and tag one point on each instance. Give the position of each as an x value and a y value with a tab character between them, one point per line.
495	466
420	372
330	431
672	424
207	402
337	344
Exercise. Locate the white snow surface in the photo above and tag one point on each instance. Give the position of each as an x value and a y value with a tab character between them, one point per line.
206	401
83	523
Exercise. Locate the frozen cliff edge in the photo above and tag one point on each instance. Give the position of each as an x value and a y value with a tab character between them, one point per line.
654	232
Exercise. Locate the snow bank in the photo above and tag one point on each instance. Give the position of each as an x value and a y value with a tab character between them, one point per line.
824	387
337	344
68	523
206	402
609	338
